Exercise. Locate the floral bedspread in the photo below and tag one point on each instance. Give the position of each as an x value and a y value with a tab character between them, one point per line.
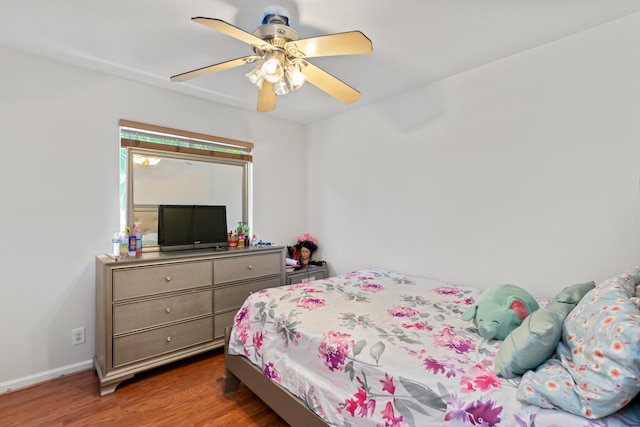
377	348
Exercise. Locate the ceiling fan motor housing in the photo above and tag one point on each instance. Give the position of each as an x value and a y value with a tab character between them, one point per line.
274	34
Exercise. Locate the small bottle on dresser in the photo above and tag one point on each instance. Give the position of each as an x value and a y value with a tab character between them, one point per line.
124	243
138	235
132	243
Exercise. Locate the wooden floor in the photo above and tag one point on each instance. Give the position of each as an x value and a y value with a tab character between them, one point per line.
185	393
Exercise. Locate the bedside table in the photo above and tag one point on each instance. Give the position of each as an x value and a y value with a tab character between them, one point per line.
307	274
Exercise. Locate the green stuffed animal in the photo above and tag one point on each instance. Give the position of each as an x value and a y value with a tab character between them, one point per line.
500	309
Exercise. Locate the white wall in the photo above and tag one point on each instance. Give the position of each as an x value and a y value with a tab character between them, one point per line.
59	180
522	171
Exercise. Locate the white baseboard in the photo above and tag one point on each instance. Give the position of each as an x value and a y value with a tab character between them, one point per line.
19	383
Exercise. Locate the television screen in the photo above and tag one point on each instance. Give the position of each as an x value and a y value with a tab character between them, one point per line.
210	226
192	227
174	225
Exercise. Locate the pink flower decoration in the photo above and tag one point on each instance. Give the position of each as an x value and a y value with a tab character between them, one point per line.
307	237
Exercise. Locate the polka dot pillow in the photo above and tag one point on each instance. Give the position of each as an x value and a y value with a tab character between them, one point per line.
597	369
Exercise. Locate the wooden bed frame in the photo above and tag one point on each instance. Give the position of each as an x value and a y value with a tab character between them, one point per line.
291	409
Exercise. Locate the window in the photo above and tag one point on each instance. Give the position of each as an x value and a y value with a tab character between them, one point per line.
160	165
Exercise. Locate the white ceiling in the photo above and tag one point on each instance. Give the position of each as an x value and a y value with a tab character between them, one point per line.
415	42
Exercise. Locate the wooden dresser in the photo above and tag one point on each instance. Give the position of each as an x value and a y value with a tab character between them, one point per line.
157	308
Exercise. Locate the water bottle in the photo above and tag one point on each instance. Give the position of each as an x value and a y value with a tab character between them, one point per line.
115	245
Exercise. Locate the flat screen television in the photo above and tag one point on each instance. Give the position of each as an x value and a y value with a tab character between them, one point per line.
183	227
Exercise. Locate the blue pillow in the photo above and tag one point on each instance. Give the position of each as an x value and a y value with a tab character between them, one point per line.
597	371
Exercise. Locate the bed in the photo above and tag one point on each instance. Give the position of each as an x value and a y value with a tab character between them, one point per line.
380	348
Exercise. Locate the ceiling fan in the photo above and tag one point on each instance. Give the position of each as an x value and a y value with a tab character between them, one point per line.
281	57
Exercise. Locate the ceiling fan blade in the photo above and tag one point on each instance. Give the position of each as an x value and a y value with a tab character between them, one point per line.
230	30
333	86
216	67
267	97
350	43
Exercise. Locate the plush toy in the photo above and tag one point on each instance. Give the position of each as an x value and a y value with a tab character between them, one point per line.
500	309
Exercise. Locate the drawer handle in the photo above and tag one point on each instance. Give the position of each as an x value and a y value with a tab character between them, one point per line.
168	309
168	279
168	339
250	267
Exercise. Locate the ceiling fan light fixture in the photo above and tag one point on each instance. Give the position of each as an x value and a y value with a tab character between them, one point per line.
256	76
295	77
272	70
280	87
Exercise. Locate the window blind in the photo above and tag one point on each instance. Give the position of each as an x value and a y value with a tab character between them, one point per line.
142	135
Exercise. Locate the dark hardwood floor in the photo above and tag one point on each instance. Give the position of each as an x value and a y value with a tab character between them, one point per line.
185	393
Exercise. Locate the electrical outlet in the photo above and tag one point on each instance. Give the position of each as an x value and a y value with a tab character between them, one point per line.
77	336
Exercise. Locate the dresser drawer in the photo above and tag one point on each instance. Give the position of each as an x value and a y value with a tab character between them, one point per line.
135	347
142	281
307	274
229	297
145	314
246	267
221	321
